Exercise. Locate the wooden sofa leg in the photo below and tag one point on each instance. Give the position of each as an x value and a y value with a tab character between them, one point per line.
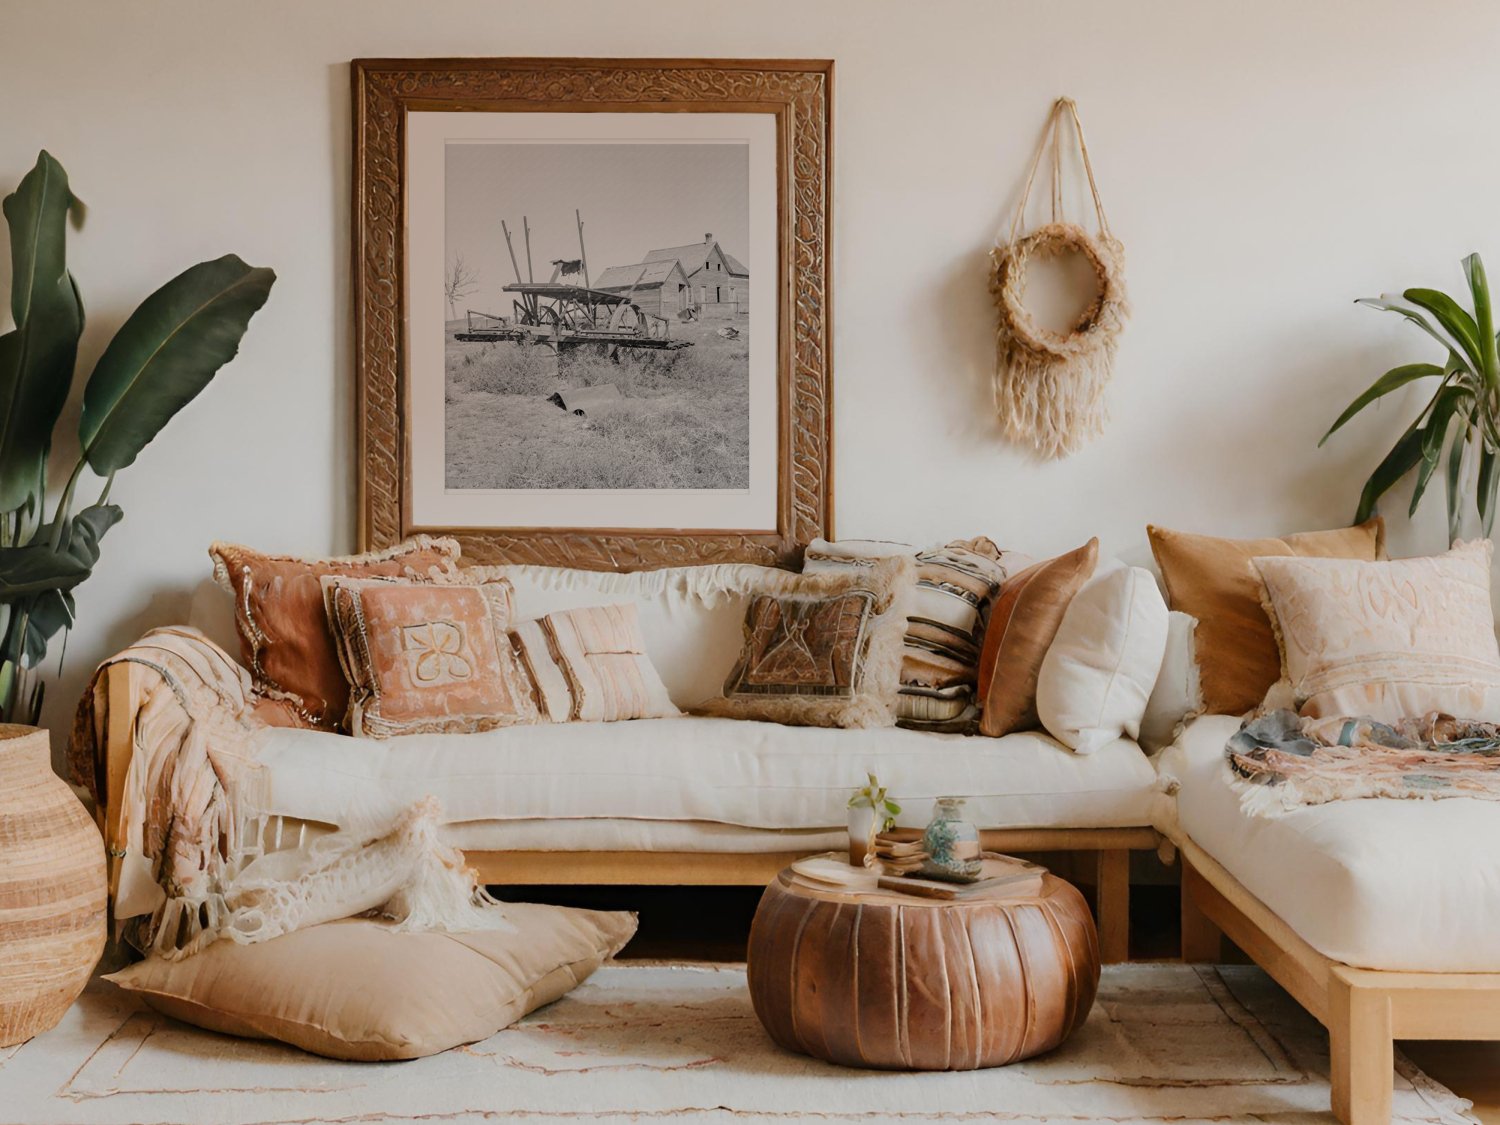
1112	886
1202	941
1361	1052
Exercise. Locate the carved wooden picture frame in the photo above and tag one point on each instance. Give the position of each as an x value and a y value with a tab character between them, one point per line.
388	94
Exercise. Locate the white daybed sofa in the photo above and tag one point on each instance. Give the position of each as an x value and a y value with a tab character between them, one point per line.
1380	916
682	800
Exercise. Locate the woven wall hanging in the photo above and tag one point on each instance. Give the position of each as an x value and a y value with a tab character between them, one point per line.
1049	386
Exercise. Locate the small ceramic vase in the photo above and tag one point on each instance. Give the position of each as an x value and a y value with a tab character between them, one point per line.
861	832
951	843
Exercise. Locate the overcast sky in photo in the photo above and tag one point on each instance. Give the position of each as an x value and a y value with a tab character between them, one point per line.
635	197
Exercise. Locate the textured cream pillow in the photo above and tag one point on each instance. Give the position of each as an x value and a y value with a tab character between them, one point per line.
1100	668
1390	640
357	990
590	666
1177	693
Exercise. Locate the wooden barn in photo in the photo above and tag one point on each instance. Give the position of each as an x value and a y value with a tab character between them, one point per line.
714	277
660	287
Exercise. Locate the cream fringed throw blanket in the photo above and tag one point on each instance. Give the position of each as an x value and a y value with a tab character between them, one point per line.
191	843
1280	761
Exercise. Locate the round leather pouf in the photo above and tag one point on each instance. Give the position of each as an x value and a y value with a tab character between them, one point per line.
888	980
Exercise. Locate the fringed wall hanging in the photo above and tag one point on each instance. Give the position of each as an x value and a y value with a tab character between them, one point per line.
1049	386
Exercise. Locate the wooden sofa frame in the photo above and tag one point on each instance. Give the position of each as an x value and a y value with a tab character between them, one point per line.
1111	846
1364	1010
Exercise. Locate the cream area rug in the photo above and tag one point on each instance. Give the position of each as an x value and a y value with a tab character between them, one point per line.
643	1042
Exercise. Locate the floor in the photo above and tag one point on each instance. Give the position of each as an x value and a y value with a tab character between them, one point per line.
713	924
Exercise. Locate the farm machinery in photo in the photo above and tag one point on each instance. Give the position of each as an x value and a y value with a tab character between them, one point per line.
563	315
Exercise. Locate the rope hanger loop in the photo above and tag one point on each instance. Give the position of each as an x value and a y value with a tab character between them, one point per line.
1049	386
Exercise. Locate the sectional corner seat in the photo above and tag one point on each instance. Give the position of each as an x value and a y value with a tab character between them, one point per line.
1380	916
683	800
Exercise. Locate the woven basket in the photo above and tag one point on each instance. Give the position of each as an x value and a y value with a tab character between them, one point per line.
52	889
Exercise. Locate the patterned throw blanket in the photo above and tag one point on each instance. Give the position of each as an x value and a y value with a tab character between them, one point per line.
1281	761
193	857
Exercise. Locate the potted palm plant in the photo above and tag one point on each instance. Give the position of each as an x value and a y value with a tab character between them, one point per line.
1457	426
163	355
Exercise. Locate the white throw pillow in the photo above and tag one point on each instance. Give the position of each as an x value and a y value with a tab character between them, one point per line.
1178	694
1098	674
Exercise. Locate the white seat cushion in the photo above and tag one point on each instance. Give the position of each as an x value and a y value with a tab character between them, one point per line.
1379	884
730	771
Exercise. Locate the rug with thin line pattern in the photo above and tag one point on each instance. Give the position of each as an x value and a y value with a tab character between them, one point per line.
644	1042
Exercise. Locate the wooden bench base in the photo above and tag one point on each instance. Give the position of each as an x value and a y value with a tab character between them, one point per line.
1364	1010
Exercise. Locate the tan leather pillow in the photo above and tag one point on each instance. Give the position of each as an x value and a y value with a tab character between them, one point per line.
427	657
285	640
1023	622
1214	580
357	990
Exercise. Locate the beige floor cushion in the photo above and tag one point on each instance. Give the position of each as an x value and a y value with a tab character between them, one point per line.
358	990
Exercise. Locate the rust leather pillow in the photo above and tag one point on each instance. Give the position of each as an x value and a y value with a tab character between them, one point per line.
1215	581
284	635
427	657
1023	622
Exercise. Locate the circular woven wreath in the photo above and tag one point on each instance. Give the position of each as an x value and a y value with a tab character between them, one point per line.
1096	326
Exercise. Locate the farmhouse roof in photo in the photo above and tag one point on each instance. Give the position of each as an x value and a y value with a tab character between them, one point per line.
692	253
623	277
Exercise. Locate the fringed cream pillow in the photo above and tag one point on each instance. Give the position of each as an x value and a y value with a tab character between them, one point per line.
1387	640
823	649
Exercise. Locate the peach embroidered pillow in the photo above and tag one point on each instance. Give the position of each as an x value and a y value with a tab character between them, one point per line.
1390	640
284	635
590	665
427	657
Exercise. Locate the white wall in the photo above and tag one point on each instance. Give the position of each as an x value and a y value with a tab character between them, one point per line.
1264	164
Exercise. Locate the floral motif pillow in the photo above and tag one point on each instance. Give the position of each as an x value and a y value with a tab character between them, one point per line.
427	657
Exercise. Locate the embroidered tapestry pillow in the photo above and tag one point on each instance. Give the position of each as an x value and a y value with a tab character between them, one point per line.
1214	580
590	665
956	583
357	989
1026	617
823	649
1388	640
427	657
284	635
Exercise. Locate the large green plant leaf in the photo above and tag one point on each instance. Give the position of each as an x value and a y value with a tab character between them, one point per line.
1488	480
1396	303
1484	317
1455	321
1402	458
35	568
166	353
37	356
1447	403
1454	481
1394	379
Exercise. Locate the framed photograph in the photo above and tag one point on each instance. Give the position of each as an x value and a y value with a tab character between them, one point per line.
592	307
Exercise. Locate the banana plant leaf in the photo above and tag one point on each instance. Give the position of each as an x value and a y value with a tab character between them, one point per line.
1394	379
36	568
37	356
166	353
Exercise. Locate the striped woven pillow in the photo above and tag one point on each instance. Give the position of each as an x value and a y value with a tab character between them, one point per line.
955	585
